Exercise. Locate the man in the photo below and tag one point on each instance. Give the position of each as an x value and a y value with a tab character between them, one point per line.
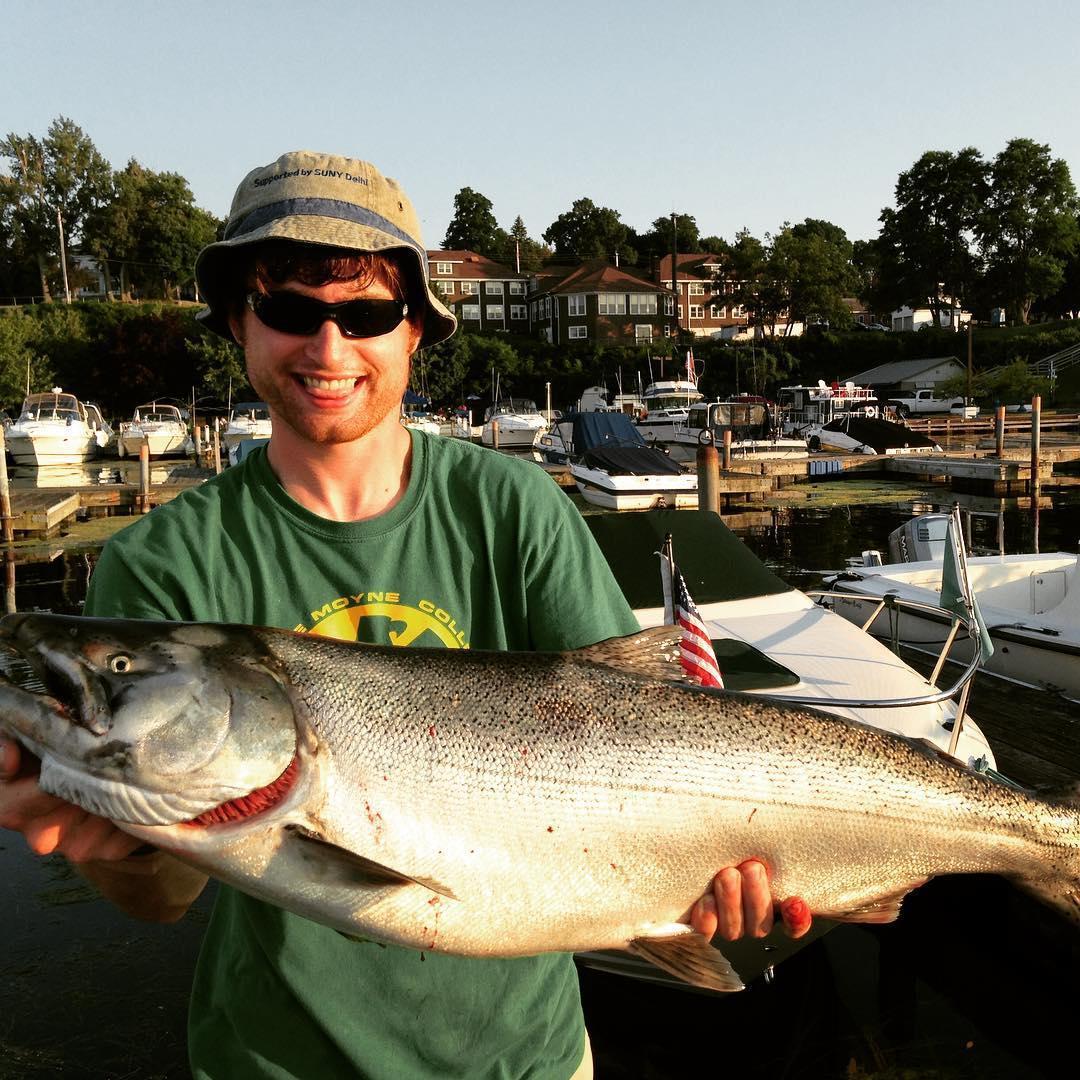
351	526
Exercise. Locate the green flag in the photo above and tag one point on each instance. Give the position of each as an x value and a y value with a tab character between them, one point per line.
956	593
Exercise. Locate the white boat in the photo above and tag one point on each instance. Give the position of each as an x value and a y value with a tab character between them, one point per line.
774	641
159	426
612	465
1030	604
666	403
249	421
57	429
846	418
518	421
755	434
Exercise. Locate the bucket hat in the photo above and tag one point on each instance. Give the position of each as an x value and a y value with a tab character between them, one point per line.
316	199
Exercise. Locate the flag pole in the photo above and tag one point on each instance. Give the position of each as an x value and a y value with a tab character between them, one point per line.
667	575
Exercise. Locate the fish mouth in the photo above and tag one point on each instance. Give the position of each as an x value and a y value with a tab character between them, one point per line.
251	805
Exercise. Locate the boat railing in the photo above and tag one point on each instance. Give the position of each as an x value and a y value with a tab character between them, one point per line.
893	603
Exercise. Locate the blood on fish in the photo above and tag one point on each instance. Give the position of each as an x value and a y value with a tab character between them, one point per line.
255	802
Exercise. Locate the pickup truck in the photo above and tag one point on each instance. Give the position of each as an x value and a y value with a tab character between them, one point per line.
923	402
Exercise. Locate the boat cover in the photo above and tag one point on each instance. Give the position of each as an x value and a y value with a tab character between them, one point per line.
592	429
632	461
881	434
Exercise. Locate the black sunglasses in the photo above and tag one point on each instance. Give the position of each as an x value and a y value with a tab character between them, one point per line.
294	313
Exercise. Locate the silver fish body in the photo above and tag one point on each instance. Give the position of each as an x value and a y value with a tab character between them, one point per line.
496	804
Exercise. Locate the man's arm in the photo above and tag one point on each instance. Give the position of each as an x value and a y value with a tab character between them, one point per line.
152	886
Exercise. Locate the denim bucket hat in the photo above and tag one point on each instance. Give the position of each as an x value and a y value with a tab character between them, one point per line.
317	199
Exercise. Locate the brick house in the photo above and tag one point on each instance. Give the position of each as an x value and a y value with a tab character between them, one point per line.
484	294
599	302
704	289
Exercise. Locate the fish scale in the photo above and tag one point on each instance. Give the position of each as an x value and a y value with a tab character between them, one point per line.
436	786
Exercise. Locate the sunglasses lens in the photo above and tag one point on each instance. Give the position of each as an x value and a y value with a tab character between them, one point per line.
293	313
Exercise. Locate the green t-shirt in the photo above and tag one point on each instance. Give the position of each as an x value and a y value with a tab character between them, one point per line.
482	551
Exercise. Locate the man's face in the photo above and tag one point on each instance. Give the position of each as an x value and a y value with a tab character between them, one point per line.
326	387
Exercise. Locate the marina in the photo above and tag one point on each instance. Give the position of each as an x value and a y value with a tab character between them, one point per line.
921	993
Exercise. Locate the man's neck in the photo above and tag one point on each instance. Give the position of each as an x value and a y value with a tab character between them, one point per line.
350	481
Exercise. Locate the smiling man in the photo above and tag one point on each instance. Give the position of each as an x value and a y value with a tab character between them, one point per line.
348	525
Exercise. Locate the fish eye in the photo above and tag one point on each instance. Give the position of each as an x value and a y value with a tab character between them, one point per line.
120	664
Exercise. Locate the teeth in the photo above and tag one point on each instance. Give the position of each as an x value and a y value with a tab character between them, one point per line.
329	384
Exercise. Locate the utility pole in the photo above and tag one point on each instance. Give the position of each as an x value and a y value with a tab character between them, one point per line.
969	394
63	255
674	267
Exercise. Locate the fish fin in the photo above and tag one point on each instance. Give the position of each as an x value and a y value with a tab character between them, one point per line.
881	909
688	955
650	653
356	869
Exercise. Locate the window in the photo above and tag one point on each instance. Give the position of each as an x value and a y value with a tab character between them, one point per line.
697	288
493	288
575	304
470	311
494	311
517	288
643	303
717	311
738	311
577	333
680	312
518	311
667	330
547	307
697	311
669	305
612	303
444	268
470	288
443	288
643	332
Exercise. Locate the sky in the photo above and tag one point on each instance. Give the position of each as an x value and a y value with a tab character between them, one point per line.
744	115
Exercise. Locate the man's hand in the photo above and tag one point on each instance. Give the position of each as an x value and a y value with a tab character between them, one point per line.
49	824
741	905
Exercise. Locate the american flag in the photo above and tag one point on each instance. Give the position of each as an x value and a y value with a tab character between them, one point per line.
695	648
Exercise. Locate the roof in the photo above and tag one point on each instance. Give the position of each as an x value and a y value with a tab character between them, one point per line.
692	267
598	277
898	370
469	264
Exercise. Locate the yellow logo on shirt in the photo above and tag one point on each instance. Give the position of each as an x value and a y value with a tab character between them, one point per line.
381	618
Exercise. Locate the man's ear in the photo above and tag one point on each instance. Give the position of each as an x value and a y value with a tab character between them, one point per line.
236	325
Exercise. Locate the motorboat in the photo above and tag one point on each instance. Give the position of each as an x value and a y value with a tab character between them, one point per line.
666	403
517	421
612	465
755	434
775	642
249	421
158	426
848	419
55	428
1029	602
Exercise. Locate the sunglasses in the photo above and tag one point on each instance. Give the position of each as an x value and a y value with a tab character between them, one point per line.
294	313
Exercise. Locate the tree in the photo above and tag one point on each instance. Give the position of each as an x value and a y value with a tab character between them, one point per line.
62	174
1028	225
150	230
473	226
521	249
588	231
925	250
811	263
656	243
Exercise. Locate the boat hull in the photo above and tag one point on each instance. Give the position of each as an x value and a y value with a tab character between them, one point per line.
70	448
613	492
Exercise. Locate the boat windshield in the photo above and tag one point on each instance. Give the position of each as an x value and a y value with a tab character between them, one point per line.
251	411
63	407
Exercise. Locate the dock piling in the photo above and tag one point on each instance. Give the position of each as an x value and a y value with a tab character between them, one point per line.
727	449
708	474
217	452
142	500
999	431
1036	420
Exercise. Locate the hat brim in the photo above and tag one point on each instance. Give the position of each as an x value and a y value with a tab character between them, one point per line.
214	266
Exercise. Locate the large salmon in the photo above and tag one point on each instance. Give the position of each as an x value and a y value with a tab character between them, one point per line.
500	804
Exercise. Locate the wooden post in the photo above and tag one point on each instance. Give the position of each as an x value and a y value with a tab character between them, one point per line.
999	431
708	478
196	435
217	451
142	500
495	434
727	449
1036	421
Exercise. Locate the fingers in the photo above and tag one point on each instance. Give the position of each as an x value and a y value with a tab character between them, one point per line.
740	904
9	759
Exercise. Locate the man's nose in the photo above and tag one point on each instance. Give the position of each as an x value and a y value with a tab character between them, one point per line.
328	342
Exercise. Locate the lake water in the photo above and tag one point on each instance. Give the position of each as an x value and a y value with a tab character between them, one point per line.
973	981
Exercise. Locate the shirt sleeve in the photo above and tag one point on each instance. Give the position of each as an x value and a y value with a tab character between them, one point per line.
121	588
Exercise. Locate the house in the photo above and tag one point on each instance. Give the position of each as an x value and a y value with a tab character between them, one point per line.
484	294
705	292
599	302
952	317
909	374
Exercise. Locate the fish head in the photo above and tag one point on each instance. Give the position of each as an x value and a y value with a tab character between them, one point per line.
144	722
